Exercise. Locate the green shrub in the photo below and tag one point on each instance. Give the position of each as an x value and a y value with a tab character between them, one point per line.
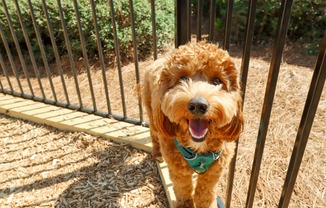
307	22
142	14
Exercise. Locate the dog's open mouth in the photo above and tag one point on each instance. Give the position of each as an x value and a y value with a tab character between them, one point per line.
198	129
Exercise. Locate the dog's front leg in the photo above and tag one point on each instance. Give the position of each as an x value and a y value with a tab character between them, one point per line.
183	189
206	188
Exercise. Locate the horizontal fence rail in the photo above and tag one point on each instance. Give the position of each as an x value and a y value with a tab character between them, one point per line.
37	65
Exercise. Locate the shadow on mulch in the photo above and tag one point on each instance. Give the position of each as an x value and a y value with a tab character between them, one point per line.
116	180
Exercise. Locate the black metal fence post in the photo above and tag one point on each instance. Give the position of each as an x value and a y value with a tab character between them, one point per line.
183	15
283	23
243	74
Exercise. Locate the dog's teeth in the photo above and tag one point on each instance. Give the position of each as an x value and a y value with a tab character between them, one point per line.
197	136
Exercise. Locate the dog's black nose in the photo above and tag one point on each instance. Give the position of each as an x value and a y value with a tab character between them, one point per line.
198	106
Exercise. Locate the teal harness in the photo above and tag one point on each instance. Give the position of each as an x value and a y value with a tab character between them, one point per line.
199	162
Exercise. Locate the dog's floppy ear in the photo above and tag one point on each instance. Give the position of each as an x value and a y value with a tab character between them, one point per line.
163	125
232	130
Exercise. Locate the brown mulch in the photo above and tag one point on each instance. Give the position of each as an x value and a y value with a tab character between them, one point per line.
44	167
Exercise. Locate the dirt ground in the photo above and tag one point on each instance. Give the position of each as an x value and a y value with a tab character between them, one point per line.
43	167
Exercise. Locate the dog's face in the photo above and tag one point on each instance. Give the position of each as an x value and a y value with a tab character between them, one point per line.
200	101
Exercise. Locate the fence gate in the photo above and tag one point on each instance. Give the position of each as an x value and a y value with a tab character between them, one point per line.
59	80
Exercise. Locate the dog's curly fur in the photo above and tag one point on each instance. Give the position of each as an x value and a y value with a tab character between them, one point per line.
194	96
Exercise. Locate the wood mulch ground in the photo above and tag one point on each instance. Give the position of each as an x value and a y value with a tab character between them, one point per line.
44	167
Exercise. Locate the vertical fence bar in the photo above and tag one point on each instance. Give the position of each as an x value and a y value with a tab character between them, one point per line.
154	29
70	54
20	55
247	45
11	61
5	71
135	43
83	46
182	13
212	19
199	18
269	97
315	90
100	54
188	25
243	74
55	50
228	22
40	44
117	52
29	48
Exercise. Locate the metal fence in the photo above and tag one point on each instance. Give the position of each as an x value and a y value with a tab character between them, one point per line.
26	71
184	34
23	76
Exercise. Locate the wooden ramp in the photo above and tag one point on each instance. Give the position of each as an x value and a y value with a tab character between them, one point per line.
70	120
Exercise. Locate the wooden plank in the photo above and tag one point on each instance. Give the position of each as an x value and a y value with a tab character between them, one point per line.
70	120
167	183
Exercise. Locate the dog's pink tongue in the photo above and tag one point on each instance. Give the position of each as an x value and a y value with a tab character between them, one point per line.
198	127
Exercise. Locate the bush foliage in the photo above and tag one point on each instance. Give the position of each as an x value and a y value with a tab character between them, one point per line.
142	15
307	22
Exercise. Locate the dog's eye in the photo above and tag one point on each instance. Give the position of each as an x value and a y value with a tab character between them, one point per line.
184	78
217	81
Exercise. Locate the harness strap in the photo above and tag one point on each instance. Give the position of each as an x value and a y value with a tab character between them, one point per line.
199	162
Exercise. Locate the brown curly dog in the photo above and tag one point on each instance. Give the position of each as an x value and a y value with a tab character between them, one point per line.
193	101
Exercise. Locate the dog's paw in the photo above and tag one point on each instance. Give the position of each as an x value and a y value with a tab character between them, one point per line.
185	204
